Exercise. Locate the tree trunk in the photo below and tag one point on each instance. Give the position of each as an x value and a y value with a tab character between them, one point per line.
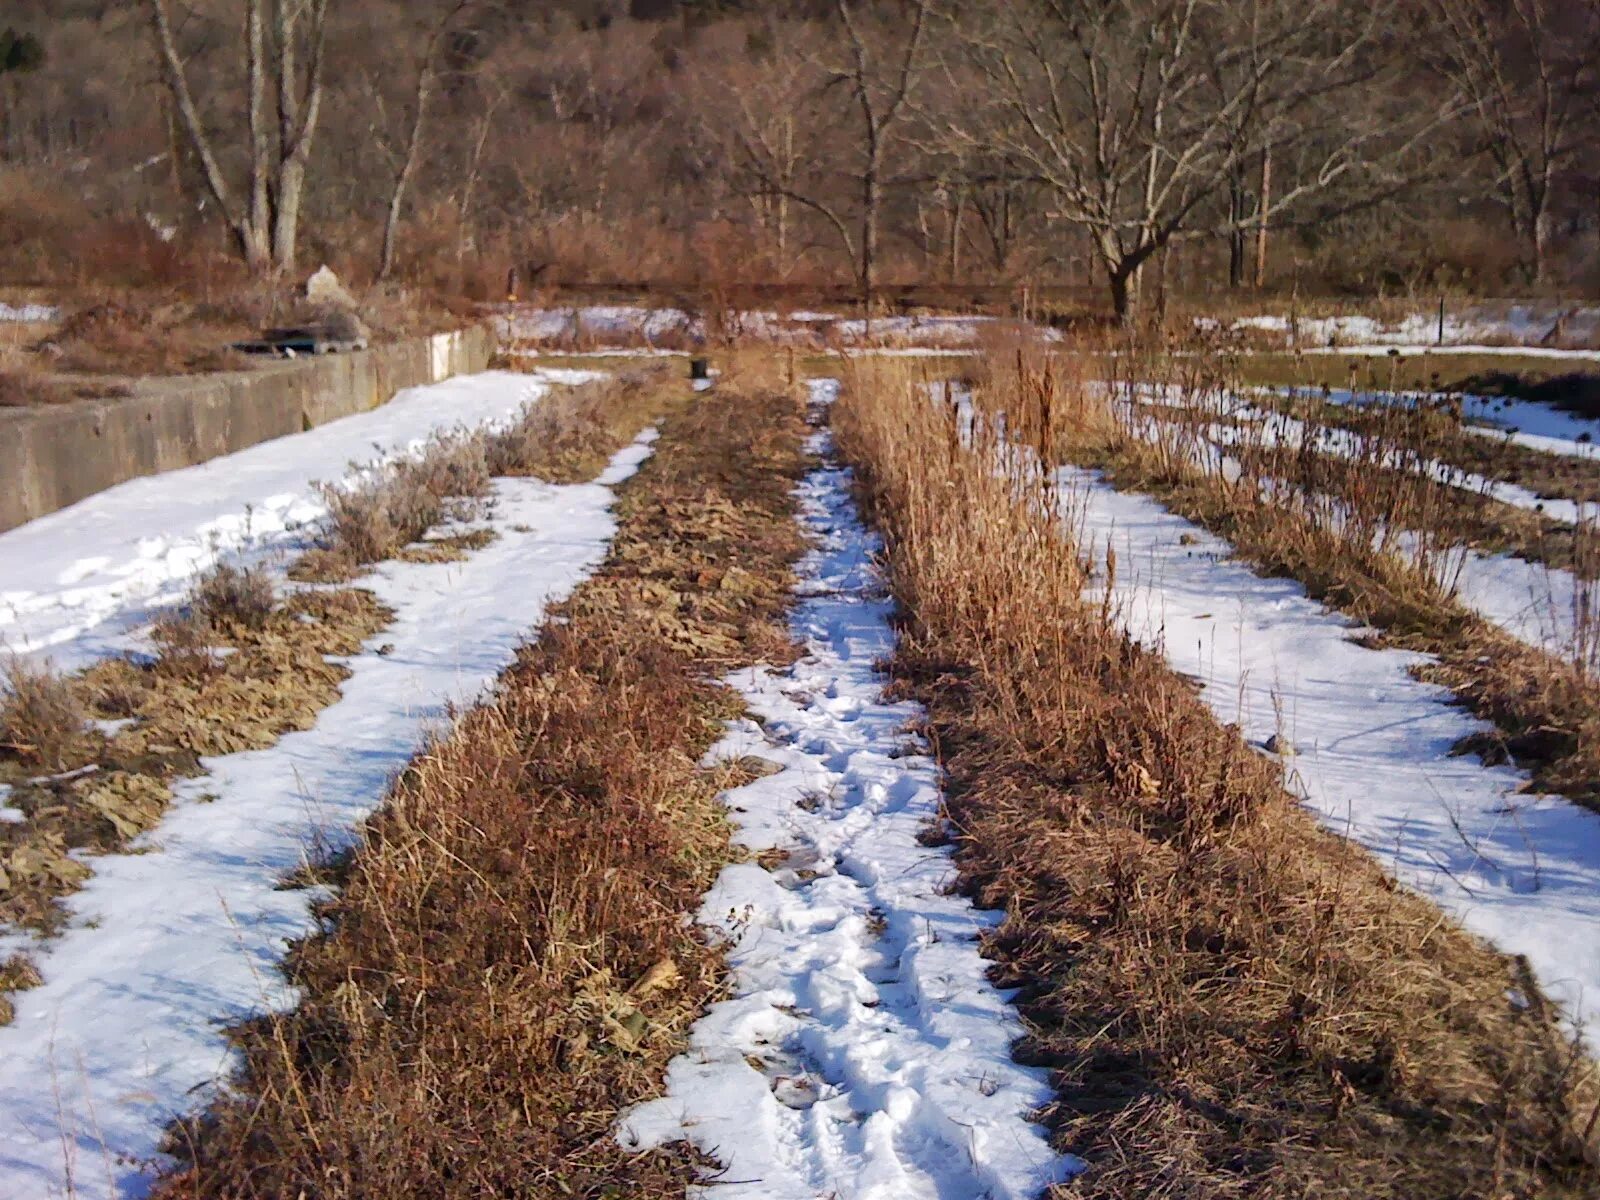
957	217
1125	280
286	218
1236	234
1261	228
1541	246
870	198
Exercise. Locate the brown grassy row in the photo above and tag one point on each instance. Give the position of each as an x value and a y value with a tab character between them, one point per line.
192	699
1545	708
566	436
1438	433
509	961
1232	1002
1390	473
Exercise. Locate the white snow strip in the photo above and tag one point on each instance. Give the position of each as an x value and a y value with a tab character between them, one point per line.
171	943
1529	422
1547	607
29	313
1418	349
598	323
75	580
1477	328
864	1054
1375	758
1281	429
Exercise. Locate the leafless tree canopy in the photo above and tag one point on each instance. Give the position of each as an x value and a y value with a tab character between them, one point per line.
1125	145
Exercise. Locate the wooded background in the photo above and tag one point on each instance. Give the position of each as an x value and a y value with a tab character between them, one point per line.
1134	149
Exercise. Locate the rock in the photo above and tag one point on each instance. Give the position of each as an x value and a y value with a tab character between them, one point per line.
1280	745
324	289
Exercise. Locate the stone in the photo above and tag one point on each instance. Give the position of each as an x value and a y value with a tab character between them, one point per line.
324	290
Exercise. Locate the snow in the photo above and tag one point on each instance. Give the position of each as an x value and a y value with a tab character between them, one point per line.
173	941
74	581
863	1053
27	312
1375	759
813	330
1477	328
1417	349
1281	429
1547	607
1505	414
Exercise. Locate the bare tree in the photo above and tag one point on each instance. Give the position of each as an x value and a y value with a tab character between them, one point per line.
880	94
765	129
265	219
427	80
1525	69
1138	114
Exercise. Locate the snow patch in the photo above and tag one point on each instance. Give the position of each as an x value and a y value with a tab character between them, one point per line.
75	581
864	1053
172	942
1376	759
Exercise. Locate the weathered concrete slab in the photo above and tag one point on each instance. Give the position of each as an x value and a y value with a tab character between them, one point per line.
54	456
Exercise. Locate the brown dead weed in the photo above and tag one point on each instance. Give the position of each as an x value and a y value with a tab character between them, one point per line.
1232	1002
225	680
509	962
1378	546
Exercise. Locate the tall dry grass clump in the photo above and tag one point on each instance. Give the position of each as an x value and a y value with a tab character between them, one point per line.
569	434
1380	543
1231	1001
41	717
510	960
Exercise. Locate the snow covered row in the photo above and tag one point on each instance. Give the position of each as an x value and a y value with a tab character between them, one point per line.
1375	746
75	581
675	327
1527	326
176	939
863	1053
1547	607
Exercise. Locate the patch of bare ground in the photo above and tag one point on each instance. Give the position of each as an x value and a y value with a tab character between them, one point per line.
509	960
1379	548
1232	1002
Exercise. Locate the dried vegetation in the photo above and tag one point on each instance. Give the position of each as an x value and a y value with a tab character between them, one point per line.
1383	545
1231	1002
508	962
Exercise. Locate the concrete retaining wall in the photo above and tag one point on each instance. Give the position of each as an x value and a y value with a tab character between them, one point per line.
54	456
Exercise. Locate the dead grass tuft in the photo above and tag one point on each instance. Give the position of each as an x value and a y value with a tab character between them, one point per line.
570	434
41	718
17	974
1231	1001
509	962
233	596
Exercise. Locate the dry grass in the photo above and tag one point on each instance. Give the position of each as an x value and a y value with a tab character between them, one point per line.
571	433
1433	425
1377	468
229	595
237	666
509	961
41	718
565	437
190	700
1232	1002
1382	546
